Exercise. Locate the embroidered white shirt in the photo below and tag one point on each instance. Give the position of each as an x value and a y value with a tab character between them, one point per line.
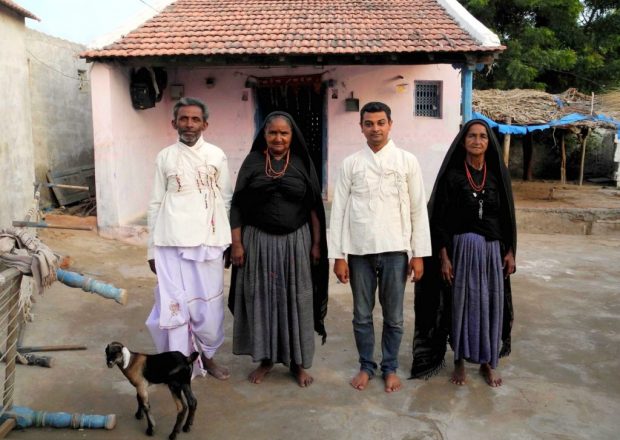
379	205
191	197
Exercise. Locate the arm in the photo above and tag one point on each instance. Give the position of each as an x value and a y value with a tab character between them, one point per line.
225	185
342	193
509	263
158	193
420	230
416	269
237	252
446	266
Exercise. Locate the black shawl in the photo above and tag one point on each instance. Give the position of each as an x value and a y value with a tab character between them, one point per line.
320	272
432	303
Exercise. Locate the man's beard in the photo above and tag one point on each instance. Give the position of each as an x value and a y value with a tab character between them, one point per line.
189	137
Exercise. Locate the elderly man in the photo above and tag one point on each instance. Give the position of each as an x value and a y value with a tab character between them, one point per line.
188	235
378	217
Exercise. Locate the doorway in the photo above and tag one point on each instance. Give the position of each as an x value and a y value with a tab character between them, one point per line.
303	97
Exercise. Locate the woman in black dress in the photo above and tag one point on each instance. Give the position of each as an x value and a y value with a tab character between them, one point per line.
465	295
279	283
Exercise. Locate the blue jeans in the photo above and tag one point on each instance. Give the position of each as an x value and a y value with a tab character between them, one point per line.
388	270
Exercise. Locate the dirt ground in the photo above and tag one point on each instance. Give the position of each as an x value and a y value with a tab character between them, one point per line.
560	382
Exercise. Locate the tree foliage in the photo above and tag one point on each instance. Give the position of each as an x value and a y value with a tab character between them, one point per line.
552	44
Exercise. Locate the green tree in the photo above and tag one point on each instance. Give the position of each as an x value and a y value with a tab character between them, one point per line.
552	44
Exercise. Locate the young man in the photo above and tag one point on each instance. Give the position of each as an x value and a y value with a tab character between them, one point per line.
378	217
188	234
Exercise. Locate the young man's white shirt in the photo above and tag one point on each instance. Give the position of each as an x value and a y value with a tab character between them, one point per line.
379	205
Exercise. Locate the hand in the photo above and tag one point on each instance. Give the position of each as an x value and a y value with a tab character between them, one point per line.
152	266
226	256
509	264
446	270
341	269
315	253
237	254
416	269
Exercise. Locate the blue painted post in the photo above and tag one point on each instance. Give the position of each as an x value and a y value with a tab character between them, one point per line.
467	85
74	279
29	418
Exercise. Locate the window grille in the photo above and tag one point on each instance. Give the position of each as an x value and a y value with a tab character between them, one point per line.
428	99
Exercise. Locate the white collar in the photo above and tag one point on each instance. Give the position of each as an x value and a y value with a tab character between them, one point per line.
199	143
386	148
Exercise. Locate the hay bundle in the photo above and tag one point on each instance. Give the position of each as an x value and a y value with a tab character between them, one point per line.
522	106
531	107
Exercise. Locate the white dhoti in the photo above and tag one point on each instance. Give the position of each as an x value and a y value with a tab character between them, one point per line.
188	314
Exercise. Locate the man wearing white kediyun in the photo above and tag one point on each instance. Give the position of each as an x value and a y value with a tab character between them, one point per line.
189	232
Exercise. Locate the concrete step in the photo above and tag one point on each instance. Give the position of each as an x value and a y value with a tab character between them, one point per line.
571	221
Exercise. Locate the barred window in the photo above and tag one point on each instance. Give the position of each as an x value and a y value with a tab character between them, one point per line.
428	98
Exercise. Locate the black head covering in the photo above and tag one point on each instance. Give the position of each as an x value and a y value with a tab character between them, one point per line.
320	272
432	303
454	159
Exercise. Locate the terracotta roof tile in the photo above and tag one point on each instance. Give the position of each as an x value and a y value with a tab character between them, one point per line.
257	27
16	8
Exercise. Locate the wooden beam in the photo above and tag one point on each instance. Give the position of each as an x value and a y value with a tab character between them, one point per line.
563	165
7	427
506	145
584	143
528	153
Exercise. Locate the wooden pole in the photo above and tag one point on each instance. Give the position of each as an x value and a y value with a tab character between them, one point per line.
583	156
24	224
528	153
507	143
563	167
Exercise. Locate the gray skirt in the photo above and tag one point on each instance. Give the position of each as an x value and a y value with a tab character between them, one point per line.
273	312
477	299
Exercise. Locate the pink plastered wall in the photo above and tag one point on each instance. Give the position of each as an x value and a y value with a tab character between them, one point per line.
127	140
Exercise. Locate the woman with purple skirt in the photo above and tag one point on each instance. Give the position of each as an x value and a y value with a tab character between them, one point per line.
465	296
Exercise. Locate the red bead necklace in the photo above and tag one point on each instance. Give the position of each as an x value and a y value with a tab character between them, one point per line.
269	171
470	179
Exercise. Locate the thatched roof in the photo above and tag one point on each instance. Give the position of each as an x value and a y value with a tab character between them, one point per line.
533	107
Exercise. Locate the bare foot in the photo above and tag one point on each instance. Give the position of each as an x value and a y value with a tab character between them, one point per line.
259	374
360	380
302	376
490	375
215	370
458	375
392	382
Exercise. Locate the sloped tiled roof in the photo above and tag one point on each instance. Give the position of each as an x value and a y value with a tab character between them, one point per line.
295	27
16	8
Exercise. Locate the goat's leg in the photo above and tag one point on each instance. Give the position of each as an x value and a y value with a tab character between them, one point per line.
192	402
139	413
146	407
175	389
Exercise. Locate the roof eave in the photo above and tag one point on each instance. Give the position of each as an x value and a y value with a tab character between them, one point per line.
483	56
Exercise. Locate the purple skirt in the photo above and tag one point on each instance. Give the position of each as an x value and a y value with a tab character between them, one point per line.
477	299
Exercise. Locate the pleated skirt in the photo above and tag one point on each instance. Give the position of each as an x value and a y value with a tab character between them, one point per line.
273	311
477	299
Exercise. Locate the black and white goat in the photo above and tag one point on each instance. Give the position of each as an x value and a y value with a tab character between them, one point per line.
172	368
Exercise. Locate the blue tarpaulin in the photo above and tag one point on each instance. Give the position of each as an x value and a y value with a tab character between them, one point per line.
565	120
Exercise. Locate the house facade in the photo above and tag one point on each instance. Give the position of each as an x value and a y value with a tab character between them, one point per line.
16	146
320	61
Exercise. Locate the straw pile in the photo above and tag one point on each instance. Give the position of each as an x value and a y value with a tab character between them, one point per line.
522	106
531	107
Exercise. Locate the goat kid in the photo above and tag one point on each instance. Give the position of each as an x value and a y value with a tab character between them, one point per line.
172	368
